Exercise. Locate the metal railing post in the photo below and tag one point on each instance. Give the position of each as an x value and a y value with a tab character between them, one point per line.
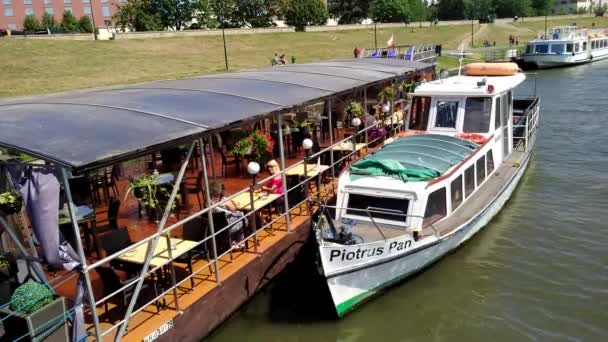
172	266
83	259
331	143
152	245
209	213
283	175
526	137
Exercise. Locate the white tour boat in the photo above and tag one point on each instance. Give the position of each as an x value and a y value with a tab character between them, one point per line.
566	46
412	201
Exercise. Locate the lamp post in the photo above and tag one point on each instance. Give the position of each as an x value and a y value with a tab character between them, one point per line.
224	40
93	19
253	168
307	146
546	14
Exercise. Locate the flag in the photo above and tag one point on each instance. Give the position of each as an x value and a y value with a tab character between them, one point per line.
391	42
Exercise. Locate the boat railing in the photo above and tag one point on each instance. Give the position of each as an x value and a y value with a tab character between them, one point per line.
426	53
374	210
528	126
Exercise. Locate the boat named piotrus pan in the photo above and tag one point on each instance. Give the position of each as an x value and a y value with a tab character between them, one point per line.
414	200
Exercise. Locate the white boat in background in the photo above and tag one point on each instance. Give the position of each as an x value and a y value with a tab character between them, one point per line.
566	46
414	200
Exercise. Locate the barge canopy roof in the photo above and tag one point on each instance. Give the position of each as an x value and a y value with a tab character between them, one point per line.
97	126
415	158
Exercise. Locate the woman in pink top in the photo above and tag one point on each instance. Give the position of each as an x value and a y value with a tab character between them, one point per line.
275	185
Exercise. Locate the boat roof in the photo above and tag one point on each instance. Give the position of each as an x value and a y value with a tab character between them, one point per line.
420	157
467	85
90	128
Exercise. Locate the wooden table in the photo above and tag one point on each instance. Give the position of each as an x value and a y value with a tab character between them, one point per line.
243	201
161	254
348	147
312	170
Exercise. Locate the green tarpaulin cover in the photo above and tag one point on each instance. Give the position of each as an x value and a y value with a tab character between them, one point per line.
415	158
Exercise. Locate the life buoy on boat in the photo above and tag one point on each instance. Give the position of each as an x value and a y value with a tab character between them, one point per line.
491	69
473	137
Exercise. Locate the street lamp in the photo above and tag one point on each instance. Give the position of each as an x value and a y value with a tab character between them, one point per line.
307	146
253	168
356	122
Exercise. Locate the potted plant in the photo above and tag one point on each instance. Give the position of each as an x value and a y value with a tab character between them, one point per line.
10	202
36	313
354	110
387	94
148	190
255	146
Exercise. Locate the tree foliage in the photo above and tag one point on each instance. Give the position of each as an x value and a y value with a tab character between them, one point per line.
173	13
48	21
69	23
391	11
302	13
85	24
542	7
31	23
349	11
600	10
138	15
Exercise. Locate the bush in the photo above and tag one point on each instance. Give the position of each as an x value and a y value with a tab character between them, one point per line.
48	22
31	23
30	297
85	25
301	13
600	10
69	22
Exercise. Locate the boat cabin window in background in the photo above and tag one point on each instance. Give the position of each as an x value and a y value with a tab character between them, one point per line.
456	192
481	169
557	48
357	204
584	46
497	114
504	110
490	159
577	47
469	181
569	47
436	206
447	114
477	113
592	45
529	49
542	48
419	118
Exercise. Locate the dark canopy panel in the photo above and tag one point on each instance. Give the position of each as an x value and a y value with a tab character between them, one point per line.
79	129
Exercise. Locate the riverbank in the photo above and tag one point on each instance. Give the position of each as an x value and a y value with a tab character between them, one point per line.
35	66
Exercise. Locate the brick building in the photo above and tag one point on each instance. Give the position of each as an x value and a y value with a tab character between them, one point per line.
12	12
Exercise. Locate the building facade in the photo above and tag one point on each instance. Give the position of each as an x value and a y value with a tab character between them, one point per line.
13	12
574	6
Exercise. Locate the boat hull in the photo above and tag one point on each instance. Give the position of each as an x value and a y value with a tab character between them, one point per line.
547	61
350	288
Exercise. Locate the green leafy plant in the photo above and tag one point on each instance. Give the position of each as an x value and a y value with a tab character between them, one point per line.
387	94
149	191
3	262
255	145
355	110
30	297
10	202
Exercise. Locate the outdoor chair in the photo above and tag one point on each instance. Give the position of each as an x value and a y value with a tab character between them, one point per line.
222	238
392	53
116	241
113	209
112	283
296	192
228	161
194	230
197	189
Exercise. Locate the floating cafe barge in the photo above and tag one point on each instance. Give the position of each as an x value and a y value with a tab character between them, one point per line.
141	205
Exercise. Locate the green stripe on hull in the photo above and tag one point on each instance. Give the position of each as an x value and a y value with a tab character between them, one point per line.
350	304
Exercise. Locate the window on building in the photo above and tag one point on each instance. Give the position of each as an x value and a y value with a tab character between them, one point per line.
569	47
49	10
419	118
481	169
542	48
87	10
557	48
67	1
469	181
27	2
7	2
105	10
11	26
456	192
490	161
477	113
436	206
447	113
8	12
68	9
497	113
48	2
29	11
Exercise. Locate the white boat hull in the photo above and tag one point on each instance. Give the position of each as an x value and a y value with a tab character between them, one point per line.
350	286
545	61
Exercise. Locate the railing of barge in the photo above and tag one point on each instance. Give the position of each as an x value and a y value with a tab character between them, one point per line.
529	127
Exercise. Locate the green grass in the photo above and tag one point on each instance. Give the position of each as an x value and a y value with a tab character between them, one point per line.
42	66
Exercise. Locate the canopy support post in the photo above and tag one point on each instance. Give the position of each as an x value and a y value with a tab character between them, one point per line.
283	174
209	213
331	143
152	245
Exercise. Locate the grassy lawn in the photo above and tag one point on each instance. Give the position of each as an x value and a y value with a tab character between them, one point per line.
41	66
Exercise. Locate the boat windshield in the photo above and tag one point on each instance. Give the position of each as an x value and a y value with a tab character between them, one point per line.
391	209
477	115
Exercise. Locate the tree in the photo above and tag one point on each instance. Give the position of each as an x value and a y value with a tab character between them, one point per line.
450	9
31	23
390	11
418	10
48	21
85	24
69	22
137	15
302	13
174	13
541	7
205	15
600	10
349	11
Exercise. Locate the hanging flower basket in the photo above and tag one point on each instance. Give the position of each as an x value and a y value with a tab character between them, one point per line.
254	146
10	202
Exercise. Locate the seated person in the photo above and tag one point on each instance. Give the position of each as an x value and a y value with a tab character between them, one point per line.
275	185
235	218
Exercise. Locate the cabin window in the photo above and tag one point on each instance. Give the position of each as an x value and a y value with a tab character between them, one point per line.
420	113
577	47
592	45
504	110
542	48
436	206
529	49
447	113
557	48
497	114
456	192
490	160
477	115
509	103
363	202
481	169
569	47
584	46
469	181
